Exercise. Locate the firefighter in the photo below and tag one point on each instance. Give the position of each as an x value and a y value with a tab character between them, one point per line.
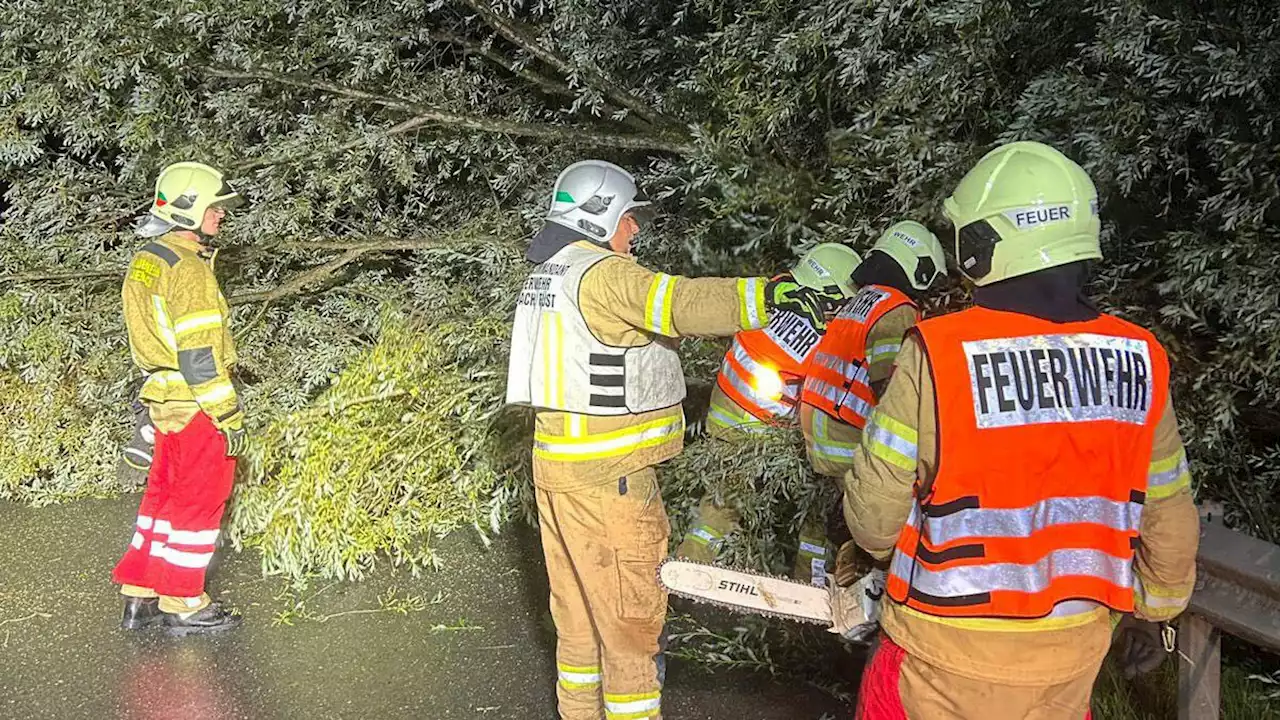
180	338
1023	468
593	351
758	386
851	365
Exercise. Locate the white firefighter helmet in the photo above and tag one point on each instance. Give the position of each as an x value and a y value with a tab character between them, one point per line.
591	197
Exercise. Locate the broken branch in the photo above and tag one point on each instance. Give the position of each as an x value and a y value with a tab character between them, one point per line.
511	30
427	114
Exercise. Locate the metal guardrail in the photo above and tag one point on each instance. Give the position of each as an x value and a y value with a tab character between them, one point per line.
1237	592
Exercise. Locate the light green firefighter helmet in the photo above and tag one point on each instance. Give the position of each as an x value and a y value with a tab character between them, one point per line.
826	265
1024	207
183	192
916	250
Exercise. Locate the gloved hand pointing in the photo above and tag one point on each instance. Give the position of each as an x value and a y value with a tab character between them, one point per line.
787	294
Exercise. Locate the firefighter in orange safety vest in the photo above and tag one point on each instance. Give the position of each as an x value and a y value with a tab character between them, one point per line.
593	350
758	386
853	361
1023	470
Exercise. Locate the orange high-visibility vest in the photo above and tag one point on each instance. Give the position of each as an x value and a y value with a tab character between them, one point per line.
763	368
837	380
1045	435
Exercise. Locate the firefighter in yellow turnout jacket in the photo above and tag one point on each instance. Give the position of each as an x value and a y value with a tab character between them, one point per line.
849	369
180	338
593	351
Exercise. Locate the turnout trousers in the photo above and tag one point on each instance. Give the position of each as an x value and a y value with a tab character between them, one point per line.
603	545
897	686
181	511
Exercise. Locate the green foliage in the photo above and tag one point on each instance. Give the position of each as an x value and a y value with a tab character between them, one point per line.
766	478
763	127
405	444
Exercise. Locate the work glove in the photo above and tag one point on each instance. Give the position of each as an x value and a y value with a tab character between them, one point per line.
847	564
1141	646
237	441
137	453
855	610
787	294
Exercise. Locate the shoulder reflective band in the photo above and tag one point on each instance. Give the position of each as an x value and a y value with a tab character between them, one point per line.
883	350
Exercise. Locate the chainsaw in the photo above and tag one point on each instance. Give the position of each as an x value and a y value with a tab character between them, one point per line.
852	612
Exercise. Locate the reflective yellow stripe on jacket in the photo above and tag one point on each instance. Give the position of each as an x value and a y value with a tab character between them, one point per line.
891	441
1167	476
751	297
587	447
826	447
658	307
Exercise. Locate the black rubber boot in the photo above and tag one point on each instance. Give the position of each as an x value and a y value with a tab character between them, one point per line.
141	613
212	619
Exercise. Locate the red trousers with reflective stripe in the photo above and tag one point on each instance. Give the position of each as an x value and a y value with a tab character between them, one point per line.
880	695
181	511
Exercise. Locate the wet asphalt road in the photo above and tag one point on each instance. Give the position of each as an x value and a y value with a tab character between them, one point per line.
63	656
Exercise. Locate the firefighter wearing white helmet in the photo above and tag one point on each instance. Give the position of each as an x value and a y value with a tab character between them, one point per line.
593	351
854	360
178	324
758	386
991	439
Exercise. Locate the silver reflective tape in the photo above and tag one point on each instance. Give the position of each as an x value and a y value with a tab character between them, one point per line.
1022	522
743	386
832	451
1033	578
860	306
1168	477
856	373
812	549
752	293
659	310
875	434
1080	377
860	407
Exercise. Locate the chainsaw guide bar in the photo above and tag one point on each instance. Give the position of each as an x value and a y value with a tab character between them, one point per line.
746	592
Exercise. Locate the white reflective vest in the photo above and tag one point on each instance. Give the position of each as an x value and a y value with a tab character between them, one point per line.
558	364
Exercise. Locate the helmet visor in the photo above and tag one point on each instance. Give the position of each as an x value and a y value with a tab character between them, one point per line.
227	197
